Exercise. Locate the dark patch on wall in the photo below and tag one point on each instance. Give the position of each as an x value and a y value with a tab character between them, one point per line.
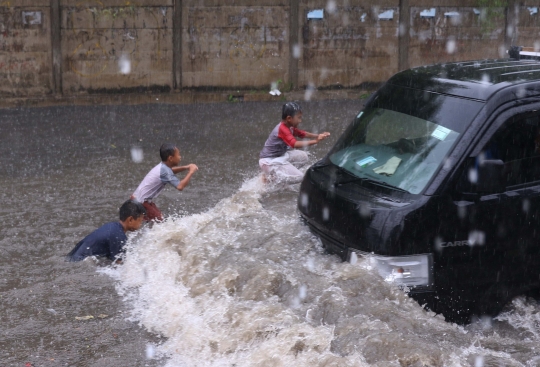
139	89
213	88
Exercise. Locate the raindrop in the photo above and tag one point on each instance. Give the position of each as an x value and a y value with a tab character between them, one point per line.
296	51
137	154
365	210
536	46
331	7
509	30
477	238
309	92
150	351
124	65
304	199
521	93
450	46
479	361
353	259
325	214
485	79
481	158
302	291
473	175
324	73
526	205
438	244
486	322
502	51
402	29
447	164
310	264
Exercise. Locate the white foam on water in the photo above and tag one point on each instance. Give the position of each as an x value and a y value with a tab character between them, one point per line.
246	284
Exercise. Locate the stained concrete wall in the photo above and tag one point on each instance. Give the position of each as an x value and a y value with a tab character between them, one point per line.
116	46
235	44
528	25
350	45
106	46
457	31
25	48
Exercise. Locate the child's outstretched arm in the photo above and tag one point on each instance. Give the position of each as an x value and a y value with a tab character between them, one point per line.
185	181
181	168
316	139
315	136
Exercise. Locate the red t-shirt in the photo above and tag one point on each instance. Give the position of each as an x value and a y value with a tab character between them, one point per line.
280	138
287	134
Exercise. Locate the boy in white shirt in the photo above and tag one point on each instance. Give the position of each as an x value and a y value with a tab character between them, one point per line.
159	176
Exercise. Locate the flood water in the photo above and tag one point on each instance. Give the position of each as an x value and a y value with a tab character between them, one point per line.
232	278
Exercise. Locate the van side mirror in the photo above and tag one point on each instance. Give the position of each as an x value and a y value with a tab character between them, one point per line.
490	177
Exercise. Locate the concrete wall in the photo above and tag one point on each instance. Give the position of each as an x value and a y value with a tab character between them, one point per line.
25	48
116	46
108	46
451	37
234	44
350	45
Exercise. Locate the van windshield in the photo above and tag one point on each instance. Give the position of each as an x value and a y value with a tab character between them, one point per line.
393	148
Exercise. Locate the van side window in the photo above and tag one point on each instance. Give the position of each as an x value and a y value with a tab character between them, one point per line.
517	144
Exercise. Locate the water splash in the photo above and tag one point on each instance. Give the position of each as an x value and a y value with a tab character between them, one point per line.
245	283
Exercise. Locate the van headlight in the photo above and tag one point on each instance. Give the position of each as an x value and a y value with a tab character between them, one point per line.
410	271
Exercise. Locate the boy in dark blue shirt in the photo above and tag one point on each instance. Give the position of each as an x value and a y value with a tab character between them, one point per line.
109	239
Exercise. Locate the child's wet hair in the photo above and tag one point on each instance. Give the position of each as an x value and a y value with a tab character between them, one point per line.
166	150
290	109
131	208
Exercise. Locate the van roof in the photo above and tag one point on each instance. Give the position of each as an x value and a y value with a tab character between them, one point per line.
470	79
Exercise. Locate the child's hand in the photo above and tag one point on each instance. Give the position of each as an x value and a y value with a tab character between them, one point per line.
192	168
322	136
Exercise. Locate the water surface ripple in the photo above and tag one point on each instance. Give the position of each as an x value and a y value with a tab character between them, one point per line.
233	278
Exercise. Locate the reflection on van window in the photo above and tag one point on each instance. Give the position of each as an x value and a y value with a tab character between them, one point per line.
400	150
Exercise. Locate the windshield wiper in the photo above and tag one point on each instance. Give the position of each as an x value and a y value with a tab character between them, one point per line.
384	184
367	179
316	167
353	178
344	182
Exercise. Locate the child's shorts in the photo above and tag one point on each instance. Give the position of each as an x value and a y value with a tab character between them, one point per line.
283	168
152	212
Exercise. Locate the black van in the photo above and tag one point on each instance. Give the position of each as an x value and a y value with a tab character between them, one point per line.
437	181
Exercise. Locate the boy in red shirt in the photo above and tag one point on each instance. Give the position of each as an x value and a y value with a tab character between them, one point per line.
279	155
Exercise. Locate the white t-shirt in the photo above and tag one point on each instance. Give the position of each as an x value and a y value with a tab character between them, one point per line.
154	182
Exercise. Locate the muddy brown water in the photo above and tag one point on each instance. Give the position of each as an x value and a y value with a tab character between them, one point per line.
233	278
